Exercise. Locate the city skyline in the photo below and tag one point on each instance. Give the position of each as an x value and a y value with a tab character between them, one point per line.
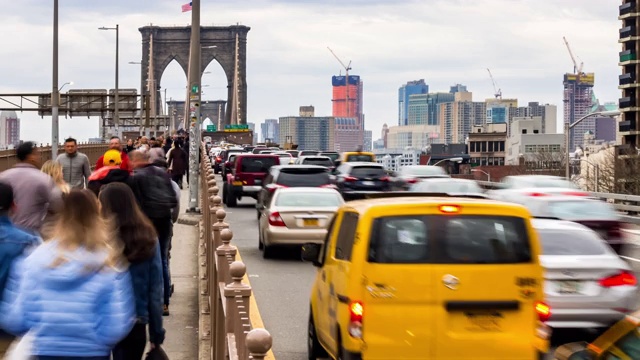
527	60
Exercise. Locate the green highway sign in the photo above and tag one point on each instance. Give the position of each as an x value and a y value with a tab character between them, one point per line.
211	128
194	89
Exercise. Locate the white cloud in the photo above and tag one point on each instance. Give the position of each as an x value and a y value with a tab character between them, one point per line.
389	43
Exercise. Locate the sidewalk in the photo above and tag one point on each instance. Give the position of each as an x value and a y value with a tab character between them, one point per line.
181	342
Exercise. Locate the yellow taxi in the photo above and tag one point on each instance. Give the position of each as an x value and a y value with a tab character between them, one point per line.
357	156
619	342
417	277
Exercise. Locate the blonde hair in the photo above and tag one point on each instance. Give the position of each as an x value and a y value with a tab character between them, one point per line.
81	225
54	169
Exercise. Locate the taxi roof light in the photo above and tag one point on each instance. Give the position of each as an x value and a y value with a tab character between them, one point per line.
449	209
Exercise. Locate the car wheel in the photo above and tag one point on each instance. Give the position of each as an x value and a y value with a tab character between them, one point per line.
258	211
260	243
314	349
267	251
224	193
232	201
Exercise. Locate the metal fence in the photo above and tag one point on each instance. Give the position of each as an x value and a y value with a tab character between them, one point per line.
628	204
226	332
93	151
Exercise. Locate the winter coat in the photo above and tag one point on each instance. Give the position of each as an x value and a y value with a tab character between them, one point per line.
105	176
14	244
78	308
147	282
75	169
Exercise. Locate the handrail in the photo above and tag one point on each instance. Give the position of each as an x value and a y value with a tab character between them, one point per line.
93	151
226	330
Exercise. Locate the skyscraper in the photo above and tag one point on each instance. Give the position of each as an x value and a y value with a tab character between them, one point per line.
9	129
347	111
578	98
270	130
628	127
406	90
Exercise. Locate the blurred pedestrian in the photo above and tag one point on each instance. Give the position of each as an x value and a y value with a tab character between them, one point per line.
111	172
75	165
129	147
15	244
177	162
73	294
55	170
142	250
35	194
115	144
156	152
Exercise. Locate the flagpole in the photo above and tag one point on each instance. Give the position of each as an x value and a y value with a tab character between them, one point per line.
194	107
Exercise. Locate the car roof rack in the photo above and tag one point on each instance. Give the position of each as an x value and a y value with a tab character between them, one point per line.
392	194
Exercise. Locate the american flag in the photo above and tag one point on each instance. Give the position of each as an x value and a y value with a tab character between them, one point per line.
186	7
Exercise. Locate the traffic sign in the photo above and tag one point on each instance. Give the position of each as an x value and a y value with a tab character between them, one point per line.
194	89
211	128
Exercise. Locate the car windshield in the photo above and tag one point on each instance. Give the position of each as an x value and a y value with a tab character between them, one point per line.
464	239
360	157
332	156
308	199
451	186
573	243
547	183
303	177
424	170
367	171
582	210
257	164
318	161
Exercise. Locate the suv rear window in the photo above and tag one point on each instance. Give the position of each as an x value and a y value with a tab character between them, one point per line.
367	171
318	161
257	164
471	239
332	156
303	177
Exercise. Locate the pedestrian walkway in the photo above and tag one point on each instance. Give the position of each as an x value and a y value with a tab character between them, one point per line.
181	342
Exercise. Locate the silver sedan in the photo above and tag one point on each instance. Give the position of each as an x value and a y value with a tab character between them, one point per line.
296	216
586	284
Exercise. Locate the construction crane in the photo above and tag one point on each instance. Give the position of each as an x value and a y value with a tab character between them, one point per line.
496	91
346	68
576	69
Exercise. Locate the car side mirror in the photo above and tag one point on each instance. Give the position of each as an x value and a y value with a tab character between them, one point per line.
573	351
311	253
337	163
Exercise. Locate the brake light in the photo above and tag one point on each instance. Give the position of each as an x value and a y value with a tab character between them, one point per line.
218	158
575	193
622	279
543	310
615	232
449	209
356	312
274	187
275	219
385	178
412	181
537	194
350	178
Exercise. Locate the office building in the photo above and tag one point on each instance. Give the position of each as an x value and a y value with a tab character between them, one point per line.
628	127
458	117
578	100
528	141
9	129
433	106
349	136
270	131
548	114
415	137
368	140
404	92
498	110
347	110
308	132
487	145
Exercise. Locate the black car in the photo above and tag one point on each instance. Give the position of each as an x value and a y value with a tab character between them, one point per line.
355	180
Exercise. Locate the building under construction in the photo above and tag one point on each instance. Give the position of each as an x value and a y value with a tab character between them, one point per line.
578	98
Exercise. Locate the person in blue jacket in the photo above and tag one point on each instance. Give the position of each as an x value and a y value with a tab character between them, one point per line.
142	250
73	294
15	244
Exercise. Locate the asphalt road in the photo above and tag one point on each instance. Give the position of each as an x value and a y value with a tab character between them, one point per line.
282	286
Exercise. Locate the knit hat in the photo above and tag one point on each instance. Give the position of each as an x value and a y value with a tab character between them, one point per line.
112	158
6	196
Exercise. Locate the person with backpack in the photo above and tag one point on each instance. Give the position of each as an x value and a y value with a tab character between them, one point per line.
156	197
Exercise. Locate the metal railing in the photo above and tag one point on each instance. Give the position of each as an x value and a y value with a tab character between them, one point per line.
225	298
629	204
93	151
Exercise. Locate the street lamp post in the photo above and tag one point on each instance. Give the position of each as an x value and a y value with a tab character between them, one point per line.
55	92
454	159
484	172
568	127
116	115
193	100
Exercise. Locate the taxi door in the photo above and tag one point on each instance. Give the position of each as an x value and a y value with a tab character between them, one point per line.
486	287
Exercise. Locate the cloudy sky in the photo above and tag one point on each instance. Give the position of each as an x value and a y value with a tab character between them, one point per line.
388	41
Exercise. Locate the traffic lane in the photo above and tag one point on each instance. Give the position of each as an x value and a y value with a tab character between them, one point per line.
281	285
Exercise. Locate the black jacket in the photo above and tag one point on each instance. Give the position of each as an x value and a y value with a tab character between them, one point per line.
154	192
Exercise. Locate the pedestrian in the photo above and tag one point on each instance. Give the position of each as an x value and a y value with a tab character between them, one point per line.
142	250
75	165
35	194
156	152
111	172
177	163
114	144
55	170
129	147
73	295
156	197
15	244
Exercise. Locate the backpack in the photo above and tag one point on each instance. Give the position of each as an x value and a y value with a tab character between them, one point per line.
154	192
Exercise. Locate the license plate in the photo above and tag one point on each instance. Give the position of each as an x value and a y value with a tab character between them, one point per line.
484	322
367	183
258	182
310	222
239	183
568	287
